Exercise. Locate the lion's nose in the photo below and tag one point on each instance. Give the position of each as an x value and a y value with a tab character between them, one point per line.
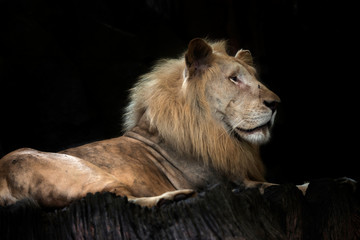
271	104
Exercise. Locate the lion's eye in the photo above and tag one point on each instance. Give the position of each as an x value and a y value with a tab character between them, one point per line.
234	79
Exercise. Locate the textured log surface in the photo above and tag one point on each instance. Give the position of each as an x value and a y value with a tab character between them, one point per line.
330	210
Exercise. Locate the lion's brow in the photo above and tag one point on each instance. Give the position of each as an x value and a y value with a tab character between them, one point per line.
235	70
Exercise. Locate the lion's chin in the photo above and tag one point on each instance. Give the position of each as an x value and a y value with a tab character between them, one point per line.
258	135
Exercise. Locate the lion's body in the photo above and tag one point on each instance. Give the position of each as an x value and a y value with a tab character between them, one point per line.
190	122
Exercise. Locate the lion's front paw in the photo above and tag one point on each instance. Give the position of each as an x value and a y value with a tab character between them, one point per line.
166	198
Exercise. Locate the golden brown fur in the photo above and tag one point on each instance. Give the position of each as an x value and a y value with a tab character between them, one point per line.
190	122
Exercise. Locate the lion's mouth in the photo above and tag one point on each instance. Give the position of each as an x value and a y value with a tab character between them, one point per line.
252	130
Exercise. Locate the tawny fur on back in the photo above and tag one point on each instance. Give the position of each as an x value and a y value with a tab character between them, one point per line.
182	116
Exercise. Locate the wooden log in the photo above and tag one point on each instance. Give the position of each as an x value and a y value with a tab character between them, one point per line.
330	210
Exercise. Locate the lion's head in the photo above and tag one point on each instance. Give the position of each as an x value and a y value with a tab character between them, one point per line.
209	105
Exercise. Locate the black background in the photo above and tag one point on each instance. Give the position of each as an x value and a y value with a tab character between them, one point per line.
66	66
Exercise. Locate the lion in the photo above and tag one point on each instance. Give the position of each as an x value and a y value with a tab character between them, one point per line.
191	122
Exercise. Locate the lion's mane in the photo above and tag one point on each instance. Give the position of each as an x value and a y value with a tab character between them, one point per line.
182	117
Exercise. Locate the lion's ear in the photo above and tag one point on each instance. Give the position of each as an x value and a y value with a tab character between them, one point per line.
197	56
245	56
